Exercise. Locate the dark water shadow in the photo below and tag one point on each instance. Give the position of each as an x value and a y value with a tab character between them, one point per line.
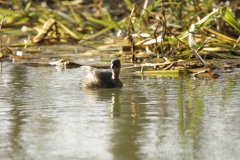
17	86
126	106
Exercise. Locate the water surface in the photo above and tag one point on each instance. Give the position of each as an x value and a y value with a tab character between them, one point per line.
45	115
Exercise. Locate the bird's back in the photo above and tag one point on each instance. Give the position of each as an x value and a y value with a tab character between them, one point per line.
99	78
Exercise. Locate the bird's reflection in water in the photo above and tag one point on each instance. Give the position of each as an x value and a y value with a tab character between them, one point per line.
109	95
116	107
117	98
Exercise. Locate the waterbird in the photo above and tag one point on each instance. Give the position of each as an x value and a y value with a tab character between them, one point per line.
101	78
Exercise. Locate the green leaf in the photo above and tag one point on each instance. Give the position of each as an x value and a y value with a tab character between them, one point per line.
208	2
105	23
203	22
128	5
154	5
228	17
77	18
207	19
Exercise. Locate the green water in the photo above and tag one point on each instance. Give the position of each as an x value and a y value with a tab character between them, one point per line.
45	115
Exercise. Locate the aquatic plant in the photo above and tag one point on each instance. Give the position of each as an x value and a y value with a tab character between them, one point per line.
171	31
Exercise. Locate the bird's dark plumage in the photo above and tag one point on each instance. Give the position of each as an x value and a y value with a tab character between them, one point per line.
100	78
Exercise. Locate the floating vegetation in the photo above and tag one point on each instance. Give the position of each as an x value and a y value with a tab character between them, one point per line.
158	37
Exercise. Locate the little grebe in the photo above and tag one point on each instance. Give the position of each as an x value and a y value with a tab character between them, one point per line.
100	78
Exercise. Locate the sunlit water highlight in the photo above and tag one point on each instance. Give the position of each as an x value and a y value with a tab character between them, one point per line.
45	115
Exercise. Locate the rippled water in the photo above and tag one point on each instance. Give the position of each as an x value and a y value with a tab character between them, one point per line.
45	115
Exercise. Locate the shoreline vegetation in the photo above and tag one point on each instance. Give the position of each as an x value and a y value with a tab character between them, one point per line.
156	37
